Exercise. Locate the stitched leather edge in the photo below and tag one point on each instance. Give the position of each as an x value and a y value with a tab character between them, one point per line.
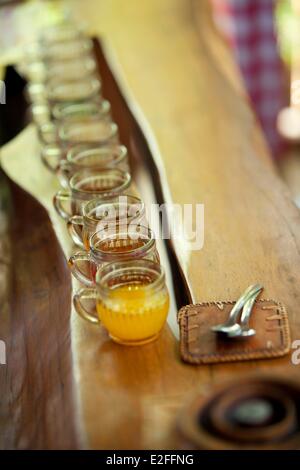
215	358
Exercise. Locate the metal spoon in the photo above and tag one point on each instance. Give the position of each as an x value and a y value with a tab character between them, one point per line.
243	330
231	325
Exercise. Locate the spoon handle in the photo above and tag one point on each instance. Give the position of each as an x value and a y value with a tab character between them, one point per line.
247	310
253	290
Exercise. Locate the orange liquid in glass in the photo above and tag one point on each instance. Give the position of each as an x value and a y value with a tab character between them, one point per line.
134	314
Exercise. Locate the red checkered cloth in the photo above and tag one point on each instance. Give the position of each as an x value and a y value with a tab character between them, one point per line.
249	27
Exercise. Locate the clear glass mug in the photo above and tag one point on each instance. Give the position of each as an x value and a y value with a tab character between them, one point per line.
89	184
67	50
91	156
42	112
86	131
82	131
132	301
67	91
120	242
48	122
79	68
57	50
99	212
64	42
61	32
55	35
93	109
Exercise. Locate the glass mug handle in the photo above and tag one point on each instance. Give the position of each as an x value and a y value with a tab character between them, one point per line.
40	114
51	156
77	273
156	257
63	172
75	232
85	294
60	197
47	133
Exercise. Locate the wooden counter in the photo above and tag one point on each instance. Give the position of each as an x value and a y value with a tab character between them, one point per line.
168	59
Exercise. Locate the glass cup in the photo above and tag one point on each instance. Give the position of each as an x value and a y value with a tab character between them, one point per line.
89	184
48	121
85	131
79	68
92	109
54	35
58	50
67	50
48	125
72	91
61	41
67	91
61	32
90	156
41	77
72	69
132	301
99	212
123	242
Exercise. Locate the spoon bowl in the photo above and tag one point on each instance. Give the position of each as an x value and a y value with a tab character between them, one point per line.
241	333
231	326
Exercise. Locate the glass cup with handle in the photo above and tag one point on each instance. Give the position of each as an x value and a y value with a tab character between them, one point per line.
45	85
61	32
86	185
57	50
77	68
117	242
56	43
67	50
131	300
84	131
67	91
94	107
47	78
97	109
48	124
85	156
56	34
99	212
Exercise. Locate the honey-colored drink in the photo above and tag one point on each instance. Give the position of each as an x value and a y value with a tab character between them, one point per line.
132	301
119	244
134	314
115	247
86	185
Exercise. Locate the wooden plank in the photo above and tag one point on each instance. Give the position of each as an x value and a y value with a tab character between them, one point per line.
37	399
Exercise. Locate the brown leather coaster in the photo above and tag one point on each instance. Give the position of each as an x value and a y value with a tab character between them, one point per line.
200	345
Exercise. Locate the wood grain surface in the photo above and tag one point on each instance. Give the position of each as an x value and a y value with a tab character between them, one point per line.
168	57
37	402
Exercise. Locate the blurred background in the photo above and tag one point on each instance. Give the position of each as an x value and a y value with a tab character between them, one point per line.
265	39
